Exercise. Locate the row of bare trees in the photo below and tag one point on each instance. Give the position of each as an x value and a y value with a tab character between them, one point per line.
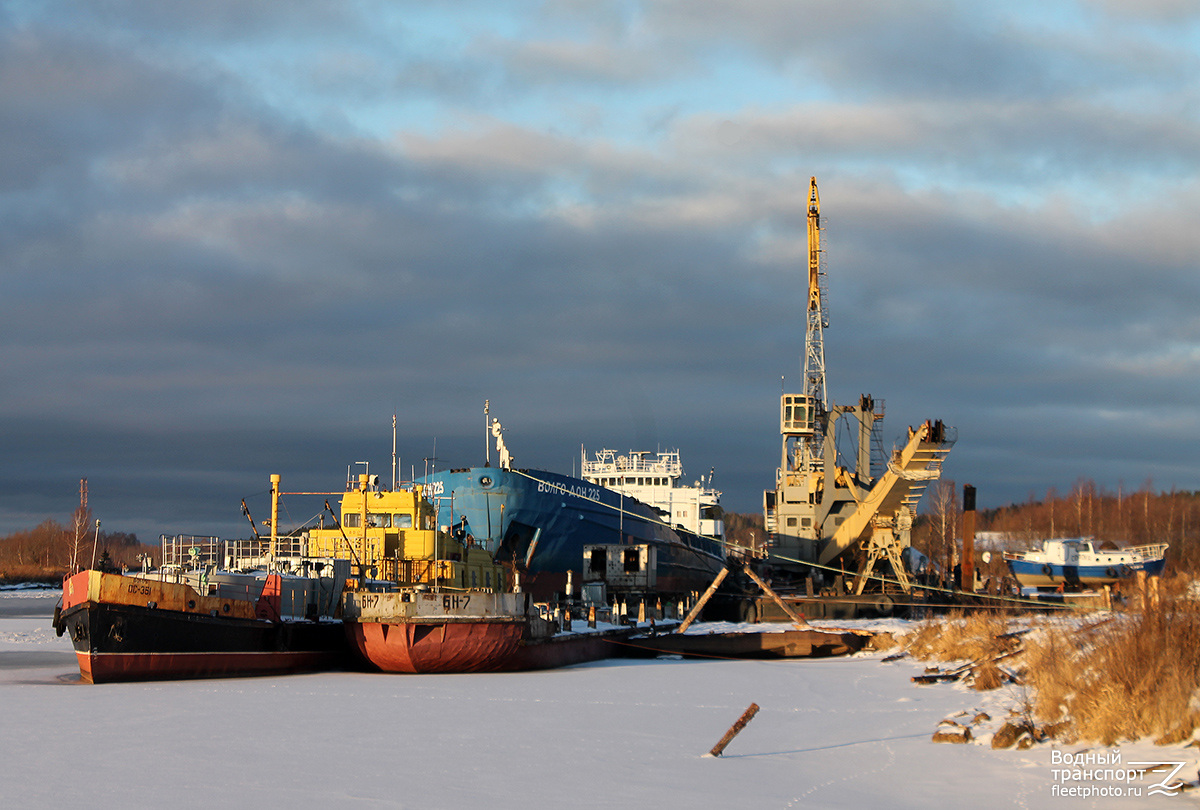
51	549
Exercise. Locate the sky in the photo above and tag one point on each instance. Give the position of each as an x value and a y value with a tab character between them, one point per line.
236	238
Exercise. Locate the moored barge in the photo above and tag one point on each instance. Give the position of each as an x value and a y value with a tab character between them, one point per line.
127	628
418	631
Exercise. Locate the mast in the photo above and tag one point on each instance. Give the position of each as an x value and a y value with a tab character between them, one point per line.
812	446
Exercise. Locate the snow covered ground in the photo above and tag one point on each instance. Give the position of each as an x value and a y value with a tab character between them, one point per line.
836	733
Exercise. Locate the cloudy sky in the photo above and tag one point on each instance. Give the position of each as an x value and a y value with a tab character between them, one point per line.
235	238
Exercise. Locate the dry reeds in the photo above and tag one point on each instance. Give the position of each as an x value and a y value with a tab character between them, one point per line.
1128	676
1127	679
978	636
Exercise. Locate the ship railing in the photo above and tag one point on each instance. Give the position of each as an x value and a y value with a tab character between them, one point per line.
289	546
1151	551
413	571
191	550
607	462
291	553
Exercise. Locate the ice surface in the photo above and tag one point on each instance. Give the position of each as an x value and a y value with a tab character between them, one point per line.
831	733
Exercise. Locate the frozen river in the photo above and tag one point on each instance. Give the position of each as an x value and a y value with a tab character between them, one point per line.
834	733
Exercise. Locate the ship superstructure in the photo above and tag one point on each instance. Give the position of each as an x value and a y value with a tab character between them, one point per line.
396	535
849	507
655	480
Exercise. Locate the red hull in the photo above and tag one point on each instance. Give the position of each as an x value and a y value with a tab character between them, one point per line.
473	647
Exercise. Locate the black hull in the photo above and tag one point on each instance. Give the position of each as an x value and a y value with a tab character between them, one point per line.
128	642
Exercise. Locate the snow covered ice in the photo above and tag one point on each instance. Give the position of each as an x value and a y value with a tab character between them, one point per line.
834	733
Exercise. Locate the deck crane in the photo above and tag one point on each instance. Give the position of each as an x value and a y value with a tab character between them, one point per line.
821	515
814	338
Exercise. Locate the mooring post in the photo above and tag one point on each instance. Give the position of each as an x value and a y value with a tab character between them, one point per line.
746	717
968	538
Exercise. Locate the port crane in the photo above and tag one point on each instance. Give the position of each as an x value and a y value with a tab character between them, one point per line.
831	510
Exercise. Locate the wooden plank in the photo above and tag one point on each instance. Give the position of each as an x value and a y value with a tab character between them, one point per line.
691	617
800	623
734	730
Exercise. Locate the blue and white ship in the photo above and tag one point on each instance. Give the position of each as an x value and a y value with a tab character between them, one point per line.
1073	563
541	521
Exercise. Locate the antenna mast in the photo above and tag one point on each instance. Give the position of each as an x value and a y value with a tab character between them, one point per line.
487	443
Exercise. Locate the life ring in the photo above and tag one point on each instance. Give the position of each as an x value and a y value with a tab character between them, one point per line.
1047	570
1110	572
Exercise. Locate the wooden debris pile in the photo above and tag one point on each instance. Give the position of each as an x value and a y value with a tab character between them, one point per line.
983	673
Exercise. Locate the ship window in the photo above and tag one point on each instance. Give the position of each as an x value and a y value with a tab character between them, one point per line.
487	578
474	581
402	521
791	522
632	565
351	520
598	561
806	523
378	521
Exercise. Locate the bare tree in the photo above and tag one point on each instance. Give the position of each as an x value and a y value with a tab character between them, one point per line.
944	512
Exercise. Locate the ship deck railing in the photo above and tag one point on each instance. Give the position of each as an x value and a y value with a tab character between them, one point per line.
191	550
607	462
1150	551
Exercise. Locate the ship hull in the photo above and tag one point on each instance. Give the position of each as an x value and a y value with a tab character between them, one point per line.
118	640
421	648
429	648
543	520
423	632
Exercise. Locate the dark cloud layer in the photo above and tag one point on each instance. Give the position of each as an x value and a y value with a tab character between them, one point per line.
212	268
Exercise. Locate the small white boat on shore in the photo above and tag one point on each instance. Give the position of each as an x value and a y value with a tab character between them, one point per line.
1076	562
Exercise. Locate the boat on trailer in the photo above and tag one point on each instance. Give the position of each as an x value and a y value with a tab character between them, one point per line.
1074	563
